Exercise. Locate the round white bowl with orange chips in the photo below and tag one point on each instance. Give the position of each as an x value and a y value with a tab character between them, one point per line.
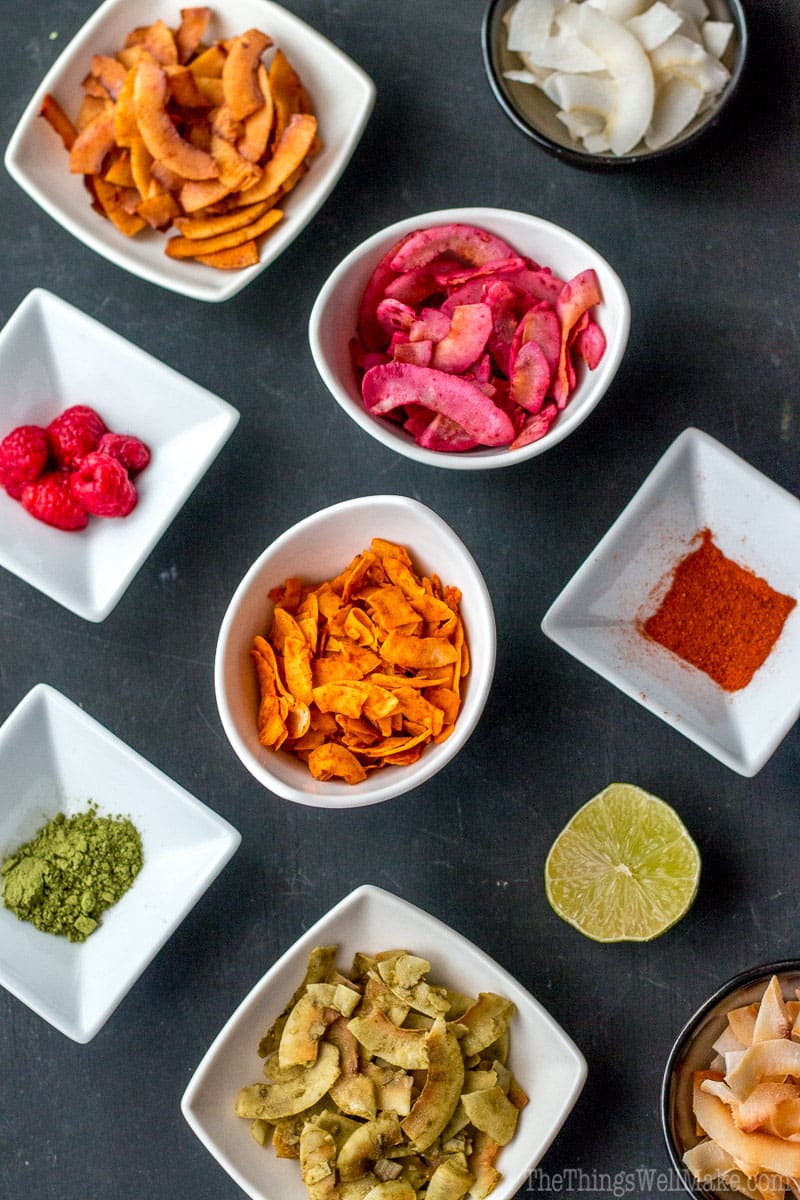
714	1078
338	93
397	695
551	255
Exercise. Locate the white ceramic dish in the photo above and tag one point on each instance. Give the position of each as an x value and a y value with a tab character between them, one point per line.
55	758
318	548
341	93
697	484
53	356
334	317
543	1058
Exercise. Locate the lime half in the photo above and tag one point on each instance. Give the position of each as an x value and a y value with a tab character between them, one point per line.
624	869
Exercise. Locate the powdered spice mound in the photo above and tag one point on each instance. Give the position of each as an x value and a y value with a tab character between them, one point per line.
719	616
71	872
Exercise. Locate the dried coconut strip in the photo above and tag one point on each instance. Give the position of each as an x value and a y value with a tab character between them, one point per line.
191	31
772	1019
764	1061
331	761
179	247
272	709
769	1153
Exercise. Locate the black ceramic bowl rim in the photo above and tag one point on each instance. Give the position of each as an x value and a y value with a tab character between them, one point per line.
766	971
603	162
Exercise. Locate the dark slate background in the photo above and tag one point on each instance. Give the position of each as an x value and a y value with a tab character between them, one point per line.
707	246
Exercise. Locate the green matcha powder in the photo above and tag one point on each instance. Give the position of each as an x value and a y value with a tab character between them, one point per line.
72	870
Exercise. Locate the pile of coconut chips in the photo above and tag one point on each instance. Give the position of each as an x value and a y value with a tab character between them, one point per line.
748	1103
621	72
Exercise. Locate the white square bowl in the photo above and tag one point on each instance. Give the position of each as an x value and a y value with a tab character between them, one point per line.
56	758
697	484
53	356
342	96
548	1065
317	548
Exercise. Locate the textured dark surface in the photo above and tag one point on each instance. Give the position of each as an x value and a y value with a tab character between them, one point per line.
707	246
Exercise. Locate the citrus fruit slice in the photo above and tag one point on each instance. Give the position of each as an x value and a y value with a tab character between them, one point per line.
624	869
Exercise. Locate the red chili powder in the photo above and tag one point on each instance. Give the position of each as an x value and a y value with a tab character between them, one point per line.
720	617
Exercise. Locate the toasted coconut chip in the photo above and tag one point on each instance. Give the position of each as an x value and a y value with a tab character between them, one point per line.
257	125
772	1020
239	74
770	1153
159	42
742	1022
320	963
760	1107
491	1111
305	1025
379	1035
158	130
92	145
481	1163
785	1120
180	247
190	32
486	1020
273	1101
232	259
392	1189
119	205
318	1162
720	1089
403	975
444	1080
367	1144
762	1062
333	761
707	1161
727	1042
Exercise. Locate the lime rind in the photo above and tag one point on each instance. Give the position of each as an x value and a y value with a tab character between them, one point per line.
624	868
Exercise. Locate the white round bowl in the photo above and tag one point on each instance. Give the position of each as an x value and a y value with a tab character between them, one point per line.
318	548
335	313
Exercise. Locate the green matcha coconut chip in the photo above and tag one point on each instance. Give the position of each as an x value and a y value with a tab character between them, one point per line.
624	869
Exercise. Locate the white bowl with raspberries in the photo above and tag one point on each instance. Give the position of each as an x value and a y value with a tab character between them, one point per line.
100	446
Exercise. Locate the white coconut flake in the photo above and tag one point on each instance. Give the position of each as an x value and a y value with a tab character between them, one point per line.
520	77
540	74
585	92
629	66
581	124
716	36
528	22
690	29
619	10
565	53
597	143
683	58
677	104
696	9
654	25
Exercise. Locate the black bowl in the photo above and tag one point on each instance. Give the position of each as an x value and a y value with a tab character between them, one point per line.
692	1051
535	115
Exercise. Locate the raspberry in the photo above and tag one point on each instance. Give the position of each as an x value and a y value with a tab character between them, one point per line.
130	451
74	434
101	484
51	499
23	457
